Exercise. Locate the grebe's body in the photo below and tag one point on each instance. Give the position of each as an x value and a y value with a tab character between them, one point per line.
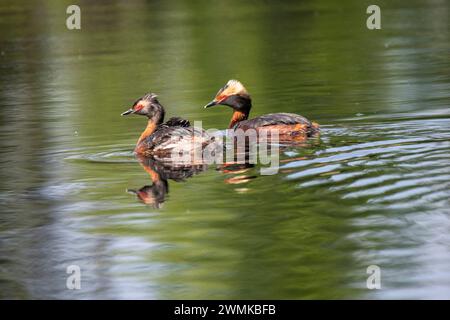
289	126
164	139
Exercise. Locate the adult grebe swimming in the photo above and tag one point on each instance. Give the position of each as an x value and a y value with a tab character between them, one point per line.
290	126
162	139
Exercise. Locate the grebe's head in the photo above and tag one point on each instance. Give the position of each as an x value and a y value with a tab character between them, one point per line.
234	95
148	105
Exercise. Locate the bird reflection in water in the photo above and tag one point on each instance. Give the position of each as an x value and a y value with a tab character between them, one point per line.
160	172
238	172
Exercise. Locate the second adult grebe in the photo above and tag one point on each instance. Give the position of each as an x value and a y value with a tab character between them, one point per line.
162	139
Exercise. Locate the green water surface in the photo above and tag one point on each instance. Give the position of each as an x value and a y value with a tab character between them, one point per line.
374	189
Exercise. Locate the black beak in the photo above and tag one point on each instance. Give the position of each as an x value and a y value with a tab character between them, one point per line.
212	103
129	111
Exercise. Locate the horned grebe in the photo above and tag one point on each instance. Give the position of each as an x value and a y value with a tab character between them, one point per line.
290	126
161	139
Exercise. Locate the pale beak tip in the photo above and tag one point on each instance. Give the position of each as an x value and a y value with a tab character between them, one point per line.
212	103
127	112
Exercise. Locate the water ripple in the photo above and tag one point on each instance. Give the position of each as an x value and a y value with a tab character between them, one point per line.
104	157
387	171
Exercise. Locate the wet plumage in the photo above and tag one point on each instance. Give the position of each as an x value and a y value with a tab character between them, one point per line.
169	137
164	139
290	126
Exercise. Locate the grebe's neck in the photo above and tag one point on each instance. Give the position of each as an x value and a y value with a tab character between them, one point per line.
151	127
237	117
241	105
153	122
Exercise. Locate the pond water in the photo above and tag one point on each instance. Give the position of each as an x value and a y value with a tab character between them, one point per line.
374	189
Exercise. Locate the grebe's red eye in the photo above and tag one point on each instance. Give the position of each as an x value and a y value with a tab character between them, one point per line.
222	97
138	107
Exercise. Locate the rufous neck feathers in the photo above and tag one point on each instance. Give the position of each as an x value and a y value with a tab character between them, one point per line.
151	127
237	117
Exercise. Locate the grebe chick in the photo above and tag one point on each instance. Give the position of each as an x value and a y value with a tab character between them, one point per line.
161	139
290	126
